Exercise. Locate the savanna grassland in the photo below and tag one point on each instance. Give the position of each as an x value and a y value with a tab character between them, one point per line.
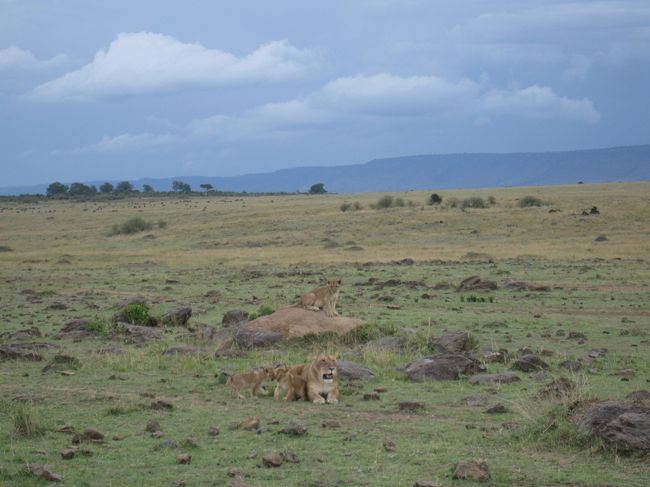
400	269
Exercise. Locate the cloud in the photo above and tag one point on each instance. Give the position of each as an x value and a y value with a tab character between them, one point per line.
350	100
128	143
14	58
144	62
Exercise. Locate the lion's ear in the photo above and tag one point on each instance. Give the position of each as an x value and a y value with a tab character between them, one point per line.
339	281
332	358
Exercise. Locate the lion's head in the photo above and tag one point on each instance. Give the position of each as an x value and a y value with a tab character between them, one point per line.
323	367
279	372
334	285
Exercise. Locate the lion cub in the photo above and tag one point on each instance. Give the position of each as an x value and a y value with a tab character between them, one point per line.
290	380
250	380
322	298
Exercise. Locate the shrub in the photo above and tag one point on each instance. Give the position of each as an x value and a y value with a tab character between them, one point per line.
434	199
136	314
318	188
356	206
345	207
134	225
97	326
263	310
473	202
492	200
529	201
386	201
399	202
5	248
162	224
452	202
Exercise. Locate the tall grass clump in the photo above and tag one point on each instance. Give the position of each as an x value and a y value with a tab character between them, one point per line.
473	202
27	422
131	226
530	201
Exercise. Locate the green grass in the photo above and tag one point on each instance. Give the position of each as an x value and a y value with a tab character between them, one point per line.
266	251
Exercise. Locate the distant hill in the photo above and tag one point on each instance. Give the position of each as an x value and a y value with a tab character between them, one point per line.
441	171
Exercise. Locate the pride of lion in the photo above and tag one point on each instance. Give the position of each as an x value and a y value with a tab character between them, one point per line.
315	381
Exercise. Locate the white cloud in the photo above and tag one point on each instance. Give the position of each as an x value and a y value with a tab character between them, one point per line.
578	67
143	62
386	96
128	142
14	58
538	103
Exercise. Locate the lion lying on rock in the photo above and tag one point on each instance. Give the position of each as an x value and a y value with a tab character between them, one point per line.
322	298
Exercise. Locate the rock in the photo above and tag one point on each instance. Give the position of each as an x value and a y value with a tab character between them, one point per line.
235	472
238	482
132	300
529	363
77	330
576	335
471	470
503	378
558	388
289	456
139	335
160	404
184	458
272	460
62	362
184	350
425	483
234	317
295	428
495	357
570	365
152	426
454	342
475	283
496	409
178	483
642	395
601	238
24	334
389	445
250	423
14	352
623	425
330	423
177	317
524	286
213	431
93	434
213	296
411	406
380	389
43	473
291	322
350	371
371	396
477	400
68	454
387	343
442	367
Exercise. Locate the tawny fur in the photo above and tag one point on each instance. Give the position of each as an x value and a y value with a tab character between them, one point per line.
319	389
291	381
251	381
322	298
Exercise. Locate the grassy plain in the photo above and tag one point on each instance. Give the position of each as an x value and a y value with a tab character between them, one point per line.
59	263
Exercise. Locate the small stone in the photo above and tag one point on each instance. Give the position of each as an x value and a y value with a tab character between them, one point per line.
411	406
93	434
178	483
43	473
213	431
389	445
371	396
289	456
425	483
184	458
68	454
471	470
235	472
67	428
330	423
272	460
380	389
161	404
118	437
152	426
295	428
250	423
157	434
497	409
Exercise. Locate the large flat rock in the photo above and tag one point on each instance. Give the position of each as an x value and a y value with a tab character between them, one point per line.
289	323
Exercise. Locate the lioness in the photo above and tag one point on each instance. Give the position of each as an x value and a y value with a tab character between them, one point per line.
322	298
320	380
250	380
290	380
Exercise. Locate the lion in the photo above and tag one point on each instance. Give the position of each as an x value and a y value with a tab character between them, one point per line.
322	298
250	380
320	380
290	380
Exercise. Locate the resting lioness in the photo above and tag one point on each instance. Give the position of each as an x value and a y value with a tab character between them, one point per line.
250	380
320	380
322	298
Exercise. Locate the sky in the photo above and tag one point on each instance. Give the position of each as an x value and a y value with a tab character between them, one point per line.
94	90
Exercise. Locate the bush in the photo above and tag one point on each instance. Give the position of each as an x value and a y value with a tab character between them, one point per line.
434	199
162	224
136	314
263	310
5	248
529	201
473	202
345	207
385	202
134	225
492	200
399	202
356	206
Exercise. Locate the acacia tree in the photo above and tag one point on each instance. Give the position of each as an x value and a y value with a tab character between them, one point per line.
79	189
207	187
124	187
106	188
318	188
56	189
147	188
181	187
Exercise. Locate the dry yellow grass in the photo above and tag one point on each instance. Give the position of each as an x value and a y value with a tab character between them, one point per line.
291	229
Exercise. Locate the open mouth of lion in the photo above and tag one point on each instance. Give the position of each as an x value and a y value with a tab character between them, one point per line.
328	377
